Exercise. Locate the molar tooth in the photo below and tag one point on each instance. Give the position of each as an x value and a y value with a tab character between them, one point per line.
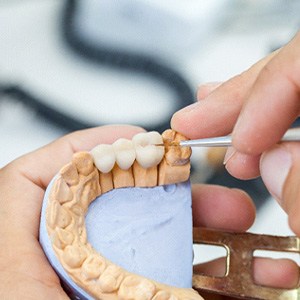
134	287
124	152
93	267
74	256
62	238
104	157
111	279
147	153
175	156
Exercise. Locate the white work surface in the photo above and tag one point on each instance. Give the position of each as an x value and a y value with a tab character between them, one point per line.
32	55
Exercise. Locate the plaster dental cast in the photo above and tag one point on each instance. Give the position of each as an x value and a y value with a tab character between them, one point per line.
143	169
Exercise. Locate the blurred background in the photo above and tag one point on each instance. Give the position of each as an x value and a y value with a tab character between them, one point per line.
66	65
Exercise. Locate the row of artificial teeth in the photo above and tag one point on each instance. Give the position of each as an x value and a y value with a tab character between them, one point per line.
142	148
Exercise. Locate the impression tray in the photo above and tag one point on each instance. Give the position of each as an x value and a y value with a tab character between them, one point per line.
116	221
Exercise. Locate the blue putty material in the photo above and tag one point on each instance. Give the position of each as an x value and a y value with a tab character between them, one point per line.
147	231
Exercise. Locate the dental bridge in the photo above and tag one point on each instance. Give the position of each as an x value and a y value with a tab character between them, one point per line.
129	164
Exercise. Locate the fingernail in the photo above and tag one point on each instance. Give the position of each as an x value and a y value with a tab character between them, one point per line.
188	108
228	155
206	88
181	115
274	168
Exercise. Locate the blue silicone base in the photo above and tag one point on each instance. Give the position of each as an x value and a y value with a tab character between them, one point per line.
147	231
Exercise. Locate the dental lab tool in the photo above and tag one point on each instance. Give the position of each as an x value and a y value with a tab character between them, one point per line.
292	135
238	279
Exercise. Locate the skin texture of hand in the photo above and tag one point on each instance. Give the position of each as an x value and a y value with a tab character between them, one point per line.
257	107
24	270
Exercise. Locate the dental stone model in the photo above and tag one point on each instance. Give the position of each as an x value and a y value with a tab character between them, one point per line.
142	192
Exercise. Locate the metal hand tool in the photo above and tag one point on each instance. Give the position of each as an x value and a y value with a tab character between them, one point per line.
238	279
292	135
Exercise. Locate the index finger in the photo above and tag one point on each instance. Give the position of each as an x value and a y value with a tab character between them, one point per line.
273	104
218	112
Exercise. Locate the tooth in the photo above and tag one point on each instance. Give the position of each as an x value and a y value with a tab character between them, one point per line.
175	166
93	266
70	174
62	191
134	287
58	216
175	156
62	238
83	162
111	279
74	256
125	153
104	157
147	153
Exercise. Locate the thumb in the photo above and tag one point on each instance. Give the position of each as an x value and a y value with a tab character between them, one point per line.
280	171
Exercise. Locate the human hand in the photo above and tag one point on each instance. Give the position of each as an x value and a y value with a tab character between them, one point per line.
25	272
232	210
257	106
24	269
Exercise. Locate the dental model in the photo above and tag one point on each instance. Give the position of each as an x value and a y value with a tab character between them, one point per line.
126	164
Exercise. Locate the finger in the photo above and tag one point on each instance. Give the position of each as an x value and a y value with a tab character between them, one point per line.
278	273
217	114
280	171
222	208
274	101
205	89
24	180
215	267
240	165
